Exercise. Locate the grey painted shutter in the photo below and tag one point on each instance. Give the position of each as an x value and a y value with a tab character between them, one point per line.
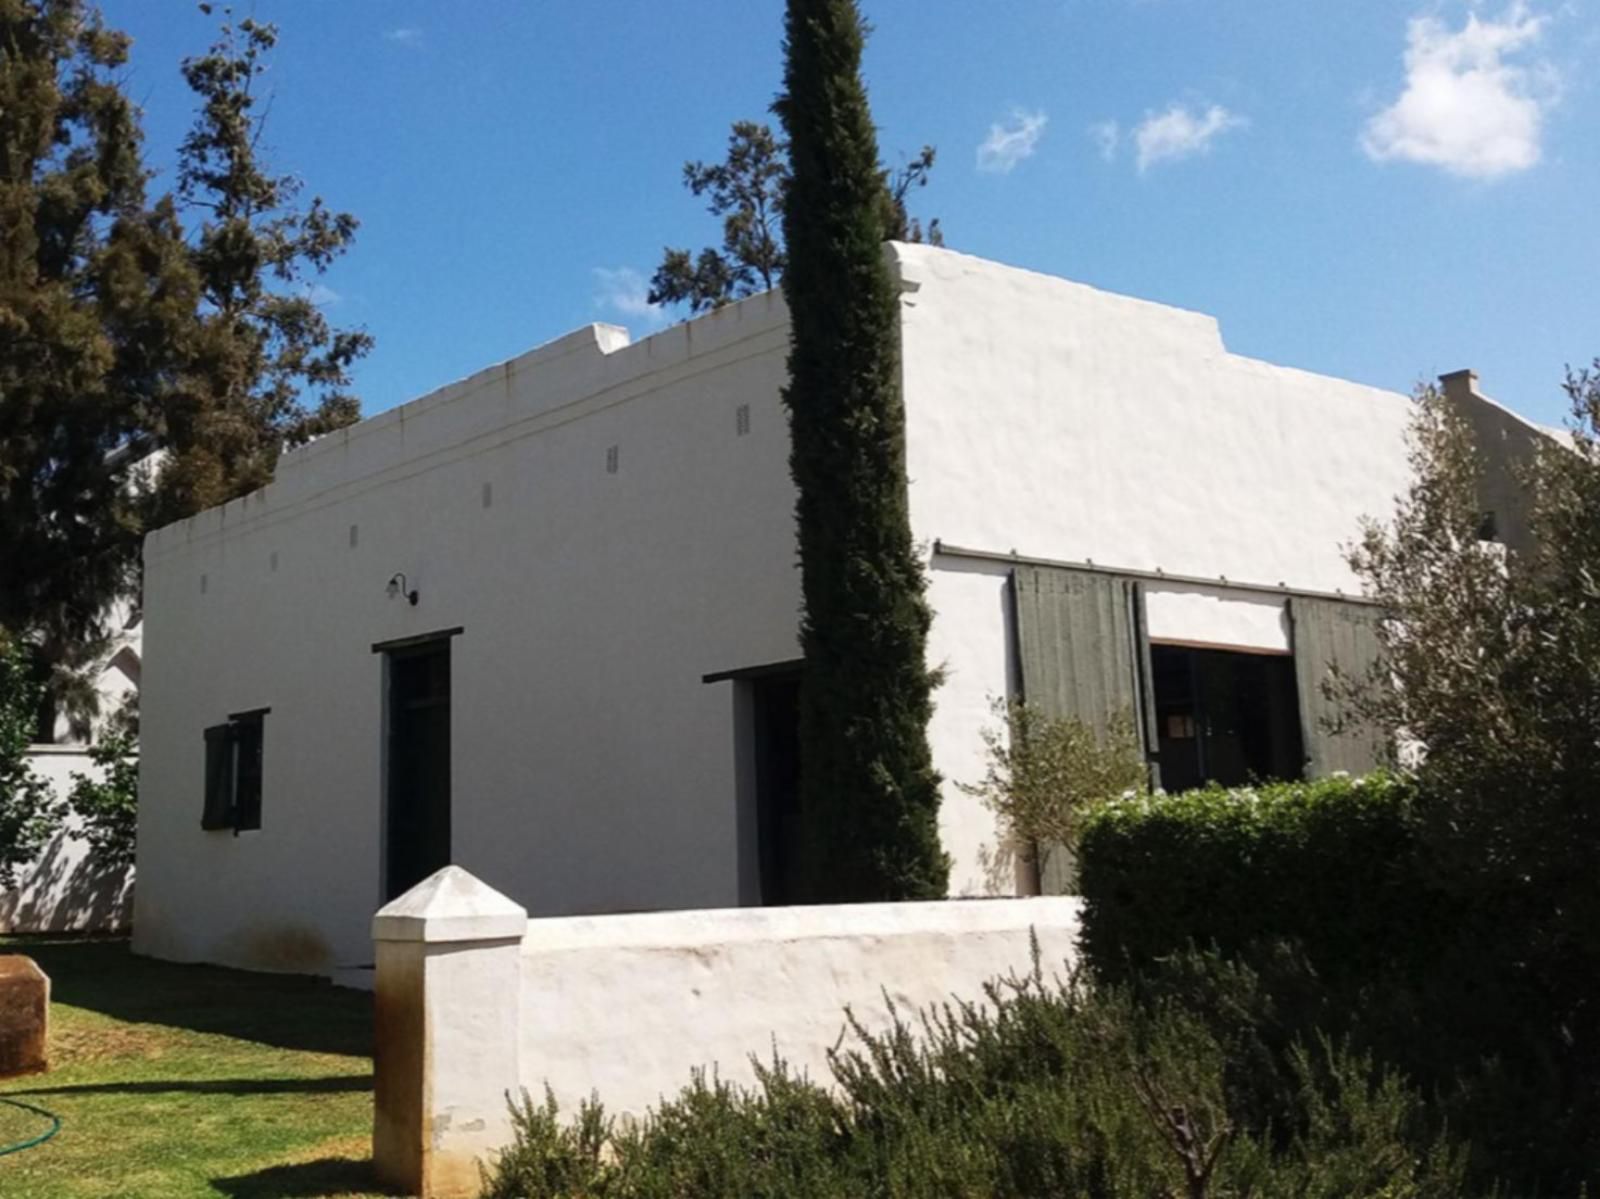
1329	633
1078	657
1075	641
218	811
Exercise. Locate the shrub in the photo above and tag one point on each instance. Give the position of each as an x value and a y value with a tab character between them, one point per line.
1325	892
28	815
108	806
1329	863
1044	773
1044	1088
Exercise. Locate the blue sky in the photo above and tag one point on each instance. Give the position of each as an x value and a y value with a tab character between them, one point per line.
1376	189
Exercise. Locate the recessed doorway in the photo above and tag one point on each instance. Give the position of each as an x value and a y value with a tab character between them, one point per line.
417	827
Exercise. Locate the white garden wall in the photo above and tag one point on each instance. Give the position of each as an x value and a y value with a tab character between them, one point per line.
474	1000
64	890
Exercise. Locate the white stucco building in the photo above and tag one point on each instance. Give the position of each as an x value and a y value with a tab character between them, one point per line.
542	622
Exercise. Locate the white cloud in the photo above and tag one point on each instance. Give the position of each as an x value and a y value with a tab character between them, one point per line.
1107	136
1465	108
408	35
322	295
1007	145
625	292
1179	133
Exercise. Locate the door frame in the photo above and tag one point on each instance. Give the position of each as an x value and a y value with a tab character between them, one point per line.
388	651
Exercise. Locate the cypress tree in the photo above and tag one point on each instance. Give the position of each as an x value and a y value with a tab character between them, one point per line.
869	794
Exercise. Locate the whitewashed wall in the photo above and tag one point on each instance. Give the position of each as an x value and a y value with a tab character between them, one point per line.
474	1001
592	769
63	890
1055	421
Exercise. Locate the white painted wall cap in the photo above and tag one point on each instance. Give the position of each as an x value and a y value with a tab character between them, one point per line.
450	905
724	926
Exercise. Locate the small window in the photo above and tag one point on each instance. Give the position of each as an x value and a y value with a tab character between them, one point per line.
234	753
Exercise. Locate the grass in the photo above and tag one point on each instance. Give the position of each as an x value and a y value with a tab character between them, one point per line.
177	1081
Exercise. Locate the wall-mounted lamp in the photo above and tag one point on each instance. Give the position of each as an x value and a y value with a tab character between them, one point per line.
397	586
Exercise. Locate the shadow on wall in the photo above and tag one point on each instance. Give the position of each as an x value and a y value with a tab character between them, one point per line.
281	1010
66	891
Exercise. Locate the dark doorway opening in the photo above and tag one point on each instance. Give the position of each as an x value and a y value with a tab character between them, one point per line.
775	704
417	836
1224	716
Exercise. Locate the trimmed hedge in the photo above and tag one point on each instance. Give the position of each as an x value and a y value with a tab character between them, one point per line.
1330	864
1327	891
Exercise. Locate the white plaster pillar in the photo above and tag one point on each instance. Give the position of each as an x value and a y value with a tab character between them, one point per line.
448	999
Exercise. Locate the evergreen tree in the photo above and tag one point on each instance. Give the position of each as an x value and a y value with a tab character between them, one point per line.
747	190
1490	669
267	370
95	290
869	794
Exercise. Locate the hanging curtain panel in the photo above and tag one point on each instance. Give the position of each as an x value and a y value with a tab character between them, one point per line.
1079	649
1329	633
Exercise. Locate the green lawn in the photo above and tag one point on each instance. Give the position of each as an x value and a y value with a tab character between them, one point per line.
177	1081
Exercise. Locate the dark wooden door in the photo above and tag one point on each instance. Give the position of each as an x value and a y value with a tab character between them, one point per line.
418	834
777	728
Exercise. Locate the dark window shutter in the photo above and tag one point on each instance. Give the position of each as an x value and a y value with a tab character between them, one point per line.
1081	653
1077	644
247	753
1329	633
218	811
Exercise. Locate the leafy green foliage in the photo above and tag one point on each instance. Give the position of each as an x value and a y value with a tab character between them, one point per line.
1331	863
95	289
1327	891
1494	657
261	345
108	806
747	190
119	337
1042	1088
869	795
27	814
1045	773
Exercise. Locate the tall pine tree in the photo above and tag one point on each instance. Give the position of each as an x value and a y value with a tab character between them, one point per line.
869	794
95	296
267	370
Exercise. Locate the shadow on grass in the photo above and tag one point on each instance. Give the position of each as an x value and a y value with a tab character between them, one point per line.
281	1010
338	1084
328	1176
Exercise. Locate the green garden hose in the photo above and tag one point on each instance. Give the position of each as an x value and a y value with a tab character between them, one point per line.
31	1142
